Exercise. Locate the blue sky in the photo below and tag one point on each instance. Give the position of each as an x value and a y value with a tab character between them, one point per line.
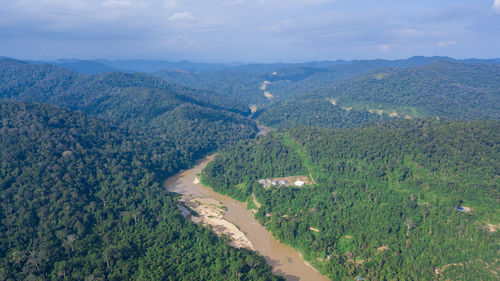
249	30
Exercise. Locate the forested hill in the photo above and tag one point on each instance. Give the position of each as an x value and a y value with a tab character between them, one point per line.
81	199
443	88
285	81
52	84
386	202
318	112
196	122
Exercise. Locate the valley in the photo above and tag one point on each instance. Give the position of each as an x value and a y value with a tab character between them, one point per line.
374	170
235	140
239	224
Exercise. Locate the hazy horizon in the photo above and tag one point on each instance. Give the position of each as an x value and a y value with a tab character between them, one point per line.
262	31
228	63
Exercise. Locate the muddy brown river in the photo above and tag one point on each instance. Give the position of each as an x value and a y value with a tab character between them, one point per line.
285	260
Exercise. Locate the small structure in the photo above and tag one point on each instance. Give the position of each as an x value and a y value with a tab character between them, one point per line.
464	209
299	183
284	181
265	183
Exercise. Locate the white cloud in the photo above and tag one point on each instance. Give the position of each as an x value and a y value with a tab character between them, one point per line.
496	6
117	3
171	4
181	16
446	43
69	12
233	2
264	29
296	2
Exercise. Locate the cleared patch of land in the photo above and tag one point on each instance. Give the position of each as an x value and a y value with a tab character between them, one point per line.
313	229
255	202
263	130
264	85
286	181
492	227
392	114
382	248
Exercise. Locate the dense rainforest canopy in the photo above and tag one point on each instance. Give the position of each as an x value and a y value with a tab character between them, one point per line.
193	121
463	91
387	198
81	199
287	80
349	94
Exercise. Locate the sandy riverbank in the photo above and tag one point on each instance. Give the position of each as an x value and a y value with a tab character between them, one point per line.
211	213
239	224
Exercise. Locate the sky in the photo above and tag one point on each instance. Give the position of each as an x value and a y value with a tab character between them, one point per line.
249	30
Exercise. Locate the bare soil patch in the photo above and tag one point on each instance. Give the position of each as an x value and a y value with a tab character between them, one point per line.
211	213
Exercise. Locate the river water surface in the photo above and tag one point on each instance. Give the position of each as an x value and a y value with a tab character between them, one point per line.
285	260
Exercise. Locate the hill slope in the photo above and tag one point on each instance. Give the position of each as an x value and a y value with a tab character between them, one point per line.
82	199
385	203
285	81
317	112
442	88
194	121
86	66
446	89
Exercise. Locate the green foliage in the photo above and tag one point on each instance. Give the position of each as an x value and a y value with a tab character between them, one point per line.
448	89
394	185
193	121
316	112
243	86
265	157
81	199
288	80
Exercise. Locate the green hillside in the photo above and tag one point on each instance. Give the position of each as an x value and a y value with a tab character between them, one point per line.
194	121
286	81
82	199
318	113
385	200
52	84
448	89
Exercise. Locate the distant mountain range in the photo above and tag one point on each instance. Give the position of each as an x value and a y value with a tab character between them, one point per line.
149	66
325	93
